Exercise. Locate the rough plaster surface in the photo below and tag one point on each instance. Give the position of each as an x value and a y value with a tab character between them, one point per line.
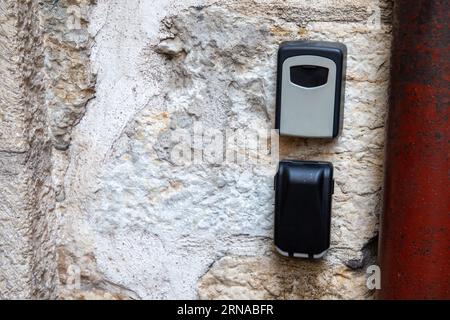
45	79
69	81
26	197
121	219
157	228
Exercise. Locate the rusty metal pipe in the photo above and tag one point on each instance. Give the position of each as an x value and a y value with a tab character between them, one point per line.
415	224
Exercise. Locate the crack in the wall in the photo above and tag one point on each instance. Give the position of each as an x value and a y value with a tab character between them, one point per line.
368	256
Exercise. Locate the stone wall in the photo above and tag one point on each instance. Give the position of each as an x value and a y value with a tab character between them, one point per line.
92	204
28	267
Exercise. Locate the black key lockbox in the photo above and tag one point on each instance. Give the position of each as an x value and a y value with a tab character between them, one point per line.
303	191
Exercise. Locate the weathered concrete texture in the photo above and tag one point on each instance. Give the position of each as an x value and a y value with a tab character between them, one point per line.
275	277
69	85
92	205
27	268
156	228
45	85
12	136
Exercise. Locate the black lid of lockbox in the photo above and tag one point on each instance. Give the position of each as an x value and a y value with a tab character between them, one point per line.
303	207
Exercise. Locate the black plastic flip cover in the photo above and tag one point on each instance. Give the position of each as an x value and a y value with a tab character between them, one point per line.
303	191
332	50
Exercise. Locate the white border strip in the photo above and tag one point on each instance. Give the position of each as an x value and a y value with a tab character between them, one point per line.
301	255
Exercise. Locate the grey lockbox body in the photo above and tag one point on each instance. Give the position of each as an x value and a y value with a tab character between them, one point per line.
310	88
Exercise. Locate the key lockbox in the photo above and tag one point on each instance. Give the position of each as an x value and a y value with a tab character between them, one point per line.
310	88
303	191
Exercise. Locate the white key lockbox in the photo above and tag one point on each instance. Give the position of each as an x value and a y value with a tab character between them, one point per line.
310	88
